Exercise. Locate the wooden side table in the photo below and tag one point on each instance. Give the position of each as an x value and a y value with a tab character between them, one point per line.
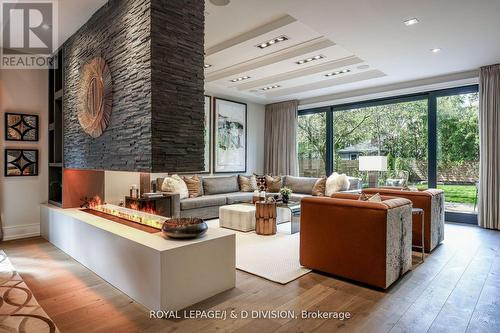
265	218
420	211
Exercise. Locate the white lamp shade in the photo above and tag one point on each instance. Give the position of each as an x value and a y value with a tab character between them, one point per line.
373	163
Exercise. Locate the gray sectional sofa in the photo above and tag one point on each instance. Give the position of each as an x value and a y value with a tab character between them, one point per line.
219	191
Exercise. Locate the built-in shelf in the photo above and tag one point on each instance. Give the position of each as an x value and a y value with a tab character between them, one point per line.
55	203
56	97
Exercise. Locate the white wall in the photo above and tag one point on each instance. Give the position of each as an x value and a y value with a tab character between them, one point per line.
23	91
117	183
255	153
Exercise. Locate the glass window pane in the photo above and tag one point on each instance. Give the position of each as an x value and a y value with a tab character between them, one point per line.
458	151
398	131
312	144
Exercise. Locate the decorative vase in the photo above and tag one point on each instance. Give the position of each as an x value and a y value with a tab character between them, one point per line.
285	198
184	228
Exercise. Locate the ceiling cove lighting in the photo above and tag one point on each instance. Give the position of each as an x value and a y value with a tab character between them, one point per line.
305	61
338	72
240	78
411	21
207	66
270	87
436	50
272	42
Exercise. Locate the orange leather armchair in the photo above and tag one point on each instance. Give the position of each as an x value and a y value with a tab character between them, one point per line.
368	242
432	203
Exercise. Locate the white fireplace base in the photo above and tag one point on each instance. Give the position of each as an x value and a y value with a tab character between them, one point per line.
161	274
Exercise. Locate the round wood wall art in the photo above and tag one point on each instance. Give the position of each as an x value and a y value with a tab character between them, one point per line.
95	97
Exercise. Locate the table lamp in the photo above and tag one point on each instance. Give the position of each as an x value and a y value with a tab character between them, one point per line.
373	164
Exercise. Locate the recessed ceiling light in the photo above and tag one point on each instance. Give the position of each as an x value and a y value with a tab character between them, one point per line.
272	41
270	87
411	21
338	72
305	61
240	78
207	66
436	50
363	67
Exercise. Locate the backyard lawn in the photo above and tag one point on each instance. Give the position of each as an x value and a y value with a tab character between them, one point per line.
457	193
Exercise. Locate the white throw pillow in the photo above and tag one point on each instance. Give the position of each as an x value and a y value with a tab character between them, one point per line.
336	183
175	184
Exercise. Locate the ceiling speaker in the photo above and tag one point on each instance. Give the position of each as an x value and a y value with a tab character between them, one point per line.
220	2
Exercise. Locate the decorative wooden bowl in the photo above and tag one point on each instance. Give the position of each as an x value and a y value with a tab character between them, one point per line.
184	228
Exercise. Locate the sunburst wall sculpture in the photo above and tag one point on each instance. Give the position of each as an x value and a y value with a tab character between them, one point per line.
95	97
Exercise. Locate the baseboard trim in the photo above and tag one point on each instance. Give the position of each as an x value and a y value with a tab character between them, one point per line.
21	231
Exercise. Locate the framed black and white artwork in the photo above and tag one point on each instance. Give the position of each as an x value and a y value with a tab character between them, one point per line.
230	141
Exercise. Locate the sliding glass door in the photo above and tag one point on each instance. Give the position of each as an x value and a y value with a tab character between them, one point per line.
396	130
458	154
431	140
312	144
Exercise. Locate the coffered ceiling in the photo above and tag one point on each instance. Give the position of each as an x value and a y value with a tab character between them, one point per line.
365	42
366	37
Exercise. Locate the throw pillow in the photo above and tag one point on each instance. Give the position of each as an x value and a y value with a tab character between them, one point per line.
193	185
375	198
175	184
261	183
273	184
319	187
336	183
363	197
247	184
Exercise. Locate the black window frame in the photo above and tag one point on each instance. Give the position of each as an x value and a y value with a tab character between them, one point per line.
432	144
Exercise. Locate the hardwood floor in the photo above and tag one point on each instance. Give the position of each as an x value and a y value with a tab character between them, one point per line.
457	289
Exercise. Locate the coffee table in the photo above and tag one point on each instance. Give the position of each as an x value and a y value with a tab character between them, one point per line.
294	208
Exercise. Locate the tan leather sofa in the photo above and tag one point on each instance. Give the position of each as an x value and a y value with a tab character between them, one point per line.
432	202
368	242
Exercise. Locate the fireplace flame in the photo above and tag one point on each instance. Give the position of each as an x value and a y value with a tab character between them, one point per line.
145	216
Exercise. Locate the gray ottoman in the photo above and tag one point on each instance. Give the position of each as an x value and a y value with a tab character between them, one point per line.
237	217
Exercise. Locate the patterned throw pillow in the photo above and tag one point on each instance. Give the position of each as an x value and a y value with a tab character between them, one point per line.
319	187
247	184
175	184
363	197
261	183
273	184
193	185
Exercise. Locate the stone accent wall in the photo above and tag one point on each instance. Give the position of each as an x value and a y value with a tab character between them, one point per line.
120	33
154	50
177	29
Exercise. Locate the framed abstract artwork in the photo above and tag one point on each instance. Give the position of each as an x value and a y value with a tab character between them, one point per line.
21	127
208	132
21	162
230	141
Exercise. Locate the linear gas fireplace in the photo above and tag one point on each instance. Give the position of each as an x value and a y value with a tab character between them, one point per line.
145	221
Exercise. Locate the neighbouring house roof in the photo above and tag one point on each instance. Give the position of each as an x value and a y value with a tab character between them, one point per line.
365	147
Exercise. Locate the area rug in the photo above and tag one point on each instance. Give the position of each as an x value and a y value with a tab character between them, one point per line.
19	310
275	258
